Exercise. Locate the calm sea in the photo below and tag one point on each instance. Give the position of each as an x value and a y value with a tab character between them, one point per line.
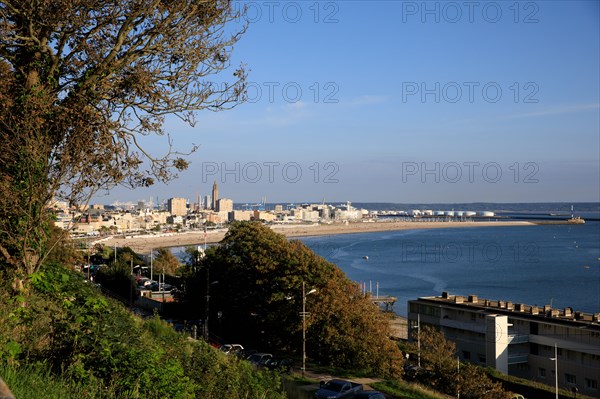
536	265
556	265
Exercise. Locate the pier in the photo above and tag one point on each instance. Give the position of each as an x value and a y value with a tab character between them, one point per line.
388	301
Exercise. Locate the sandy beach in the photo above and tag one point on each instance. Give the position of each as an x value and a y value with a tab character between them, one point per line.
144	243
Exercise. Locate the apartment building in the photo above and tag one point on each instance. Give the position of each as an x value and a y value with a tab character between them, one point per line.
517	339
177	206
224	205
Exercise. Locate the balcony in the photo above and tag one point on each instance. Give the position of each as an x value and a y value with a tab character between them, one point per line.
514	339
518	358
464	326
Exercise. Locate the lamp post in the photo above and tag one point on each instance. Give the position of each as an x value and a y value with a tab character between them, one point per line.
151	260
555	358
304	295
207	305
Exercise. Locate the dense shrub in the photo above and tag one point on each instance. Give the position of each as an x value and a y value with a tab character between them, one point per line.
64	323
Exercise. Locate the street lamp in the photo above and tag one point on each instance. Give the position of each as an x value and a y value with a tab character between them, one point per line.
304	295
555	358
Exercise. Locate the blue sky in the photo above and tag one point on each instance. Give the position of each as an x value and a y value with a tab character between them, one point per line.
400	101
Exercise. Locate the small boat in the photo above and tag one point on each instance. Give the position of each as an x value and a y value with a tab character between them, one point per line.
365	257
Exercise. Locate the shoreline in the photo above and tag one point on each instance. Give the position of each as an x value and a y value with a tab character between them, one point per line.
145	243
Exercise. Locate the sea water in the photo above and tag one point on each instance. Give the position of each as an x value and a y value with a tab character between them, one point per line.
556	264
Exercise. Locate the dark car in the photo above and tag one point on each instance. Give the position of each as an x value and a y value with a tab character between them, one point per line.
368	395
258	358
282	365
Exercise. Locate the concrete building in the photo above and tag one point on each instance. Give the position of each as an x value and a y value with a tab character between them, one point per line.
177	206
517	339
237	215
224	205
265	216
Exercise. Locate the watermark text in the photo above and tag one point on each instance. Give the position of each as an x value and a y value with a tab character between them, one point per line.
469	172
453	12
270	172
469	92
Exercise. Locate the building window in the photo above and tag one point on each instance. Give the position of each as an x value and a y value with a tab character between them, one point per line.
542	372
481	358
571	379
466	355
591	384
534	349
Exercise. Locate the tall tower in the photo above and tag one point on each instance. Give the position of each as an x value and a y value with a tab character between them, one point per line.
215	196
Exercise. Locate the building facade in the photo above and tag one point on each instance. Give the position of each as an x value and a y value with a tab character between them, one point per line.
177	206
224	205
517	339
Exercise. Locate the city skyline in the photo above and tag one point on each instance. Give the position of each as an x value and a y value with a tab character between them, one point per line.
448	102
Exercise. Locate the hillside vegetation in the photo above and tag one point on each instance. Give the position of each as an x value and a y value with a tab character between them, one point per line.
259	301
61	333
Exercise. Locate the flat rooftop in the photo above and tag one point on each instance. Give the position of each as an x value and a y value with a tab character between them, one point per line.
540	313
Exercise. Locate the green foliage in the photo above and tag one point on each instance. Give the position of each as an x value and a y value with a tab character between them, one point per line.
165	262
405	390
259	295
445	374
81	82
38	382
64	331
61	248
116	277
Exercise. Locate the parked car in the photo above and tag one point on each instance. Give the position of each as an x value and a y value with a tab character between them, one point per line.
337	389
280	364
243	354
369	395
231	349
257	358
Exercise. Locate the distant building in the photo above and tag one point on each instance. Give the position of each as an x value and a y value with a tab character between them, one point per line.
207	202
217	217
177	206
224	205
517	339
262	215
237	215
215	196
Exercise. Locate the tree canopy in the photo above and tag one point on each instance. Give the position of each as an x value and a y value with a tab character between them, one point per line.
259	298
165	262
444	372
83	84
